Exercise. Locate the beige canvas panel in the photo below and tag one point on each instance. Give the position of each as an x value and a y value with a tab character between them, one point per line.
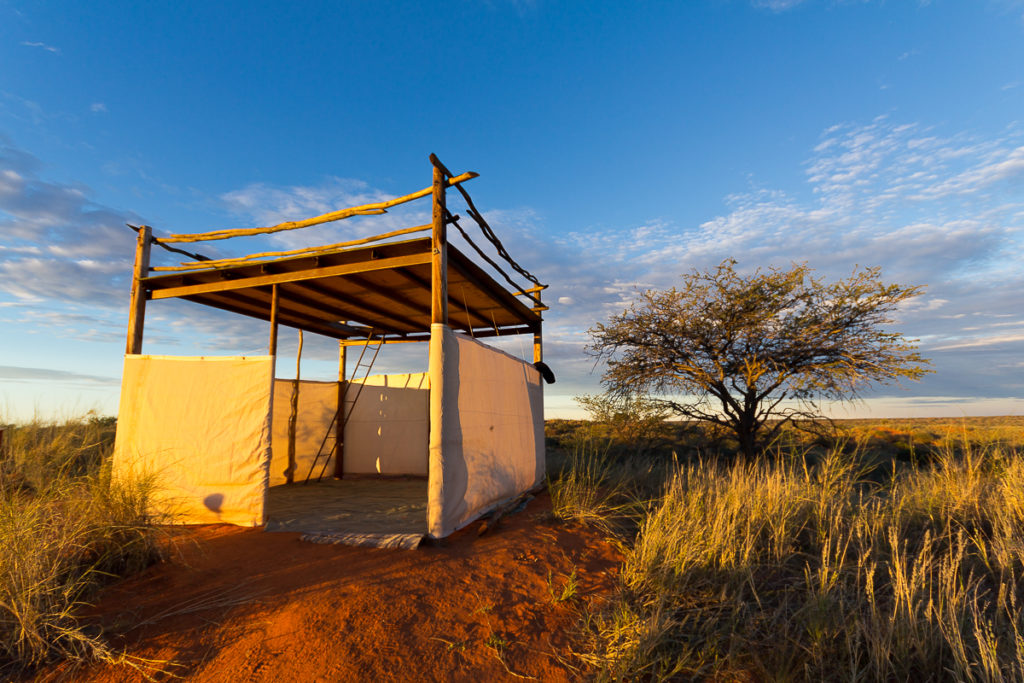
318	402
201	426
389	427
486	440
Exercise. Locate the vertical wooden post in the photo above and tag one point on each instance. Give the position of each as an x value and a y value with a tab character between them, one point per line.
137	307
339	423
273	320
293	416
538	340
272	351
439	250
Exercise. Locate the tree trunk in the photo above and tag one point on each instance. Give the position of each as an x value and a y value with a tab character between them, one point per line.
746	433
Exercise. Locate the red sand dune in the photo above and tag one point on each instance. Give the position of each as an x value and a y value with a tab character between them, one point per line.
242	605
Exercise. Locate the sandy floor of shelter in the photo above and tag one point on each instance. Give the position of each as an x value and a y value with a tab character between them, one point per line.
236	604
349	506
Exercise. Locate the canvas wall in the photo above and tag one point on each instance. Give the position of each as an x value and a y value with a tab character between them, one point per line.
390	424
487	429
201	427
386	433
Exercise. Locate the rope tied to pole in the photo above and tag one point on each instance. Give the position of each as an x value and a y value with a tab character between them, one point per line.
154	240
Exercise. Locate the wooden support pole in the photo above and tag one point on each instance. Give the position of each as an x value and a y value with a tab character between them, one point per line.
293	416
538	340
439	253
137	307
339	423
273	320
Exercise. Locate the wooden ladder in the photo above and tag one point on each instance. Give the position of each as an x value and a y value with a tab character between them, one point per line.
342	413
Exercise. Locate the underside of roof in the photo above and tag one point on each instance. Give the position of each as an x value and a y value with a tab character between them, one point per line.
384	289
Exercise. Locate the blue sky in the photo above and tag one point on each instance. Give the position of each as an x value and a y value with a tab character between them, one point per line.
619	145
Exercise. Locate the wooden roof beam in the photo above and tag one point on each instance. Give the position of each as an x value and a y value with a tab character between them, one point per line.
360	310
452	301
502	331
327	329
425	337
294	276
325	299
478	278
289	296
401	299
310	310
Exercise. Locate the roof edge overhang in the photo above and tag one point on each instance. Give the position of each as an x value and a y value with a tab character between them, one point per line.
382	289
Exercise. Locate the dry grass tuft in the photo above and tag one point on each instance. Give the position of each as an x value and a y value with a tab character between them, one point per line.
593	486
66	528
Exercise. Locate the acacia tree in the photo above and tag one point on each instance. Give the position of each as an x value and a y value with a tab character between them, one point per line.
752	353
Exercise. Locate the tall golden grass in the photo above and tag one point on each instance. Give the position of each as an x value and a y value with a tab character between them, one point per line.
66	528
780	570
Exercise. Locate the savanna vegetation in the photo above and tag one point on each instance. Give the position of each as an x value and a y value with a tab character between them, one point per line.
893	550
66	529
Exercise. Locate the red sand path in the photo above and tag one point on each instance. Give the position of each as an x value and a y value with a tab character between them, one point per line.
269	607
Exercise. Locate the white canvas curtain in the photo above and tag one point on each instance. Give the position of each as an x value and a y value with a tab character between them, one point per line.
201	427
389	427
386	433
487	429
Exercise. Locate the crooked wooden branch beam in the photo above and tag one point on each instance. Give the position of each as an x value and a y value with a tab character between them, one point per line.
307	251
154	240
531	290
373	209
475	214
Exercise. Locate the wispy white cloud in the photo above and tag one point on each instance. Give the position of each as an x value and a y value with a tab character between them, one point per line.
13	373
98	108
42	46
262	204
990	340
269	204
777	5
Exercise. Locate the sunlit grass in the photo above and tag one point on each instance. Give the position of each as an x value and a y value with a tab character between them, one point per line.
66	528
777	570
591	485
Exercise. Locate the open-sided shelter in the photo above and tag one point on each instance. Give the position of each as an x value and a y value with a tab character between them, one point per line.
218	431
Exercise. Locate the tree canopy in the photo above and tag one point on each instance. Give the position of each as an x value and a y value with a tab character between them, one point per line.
753	352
